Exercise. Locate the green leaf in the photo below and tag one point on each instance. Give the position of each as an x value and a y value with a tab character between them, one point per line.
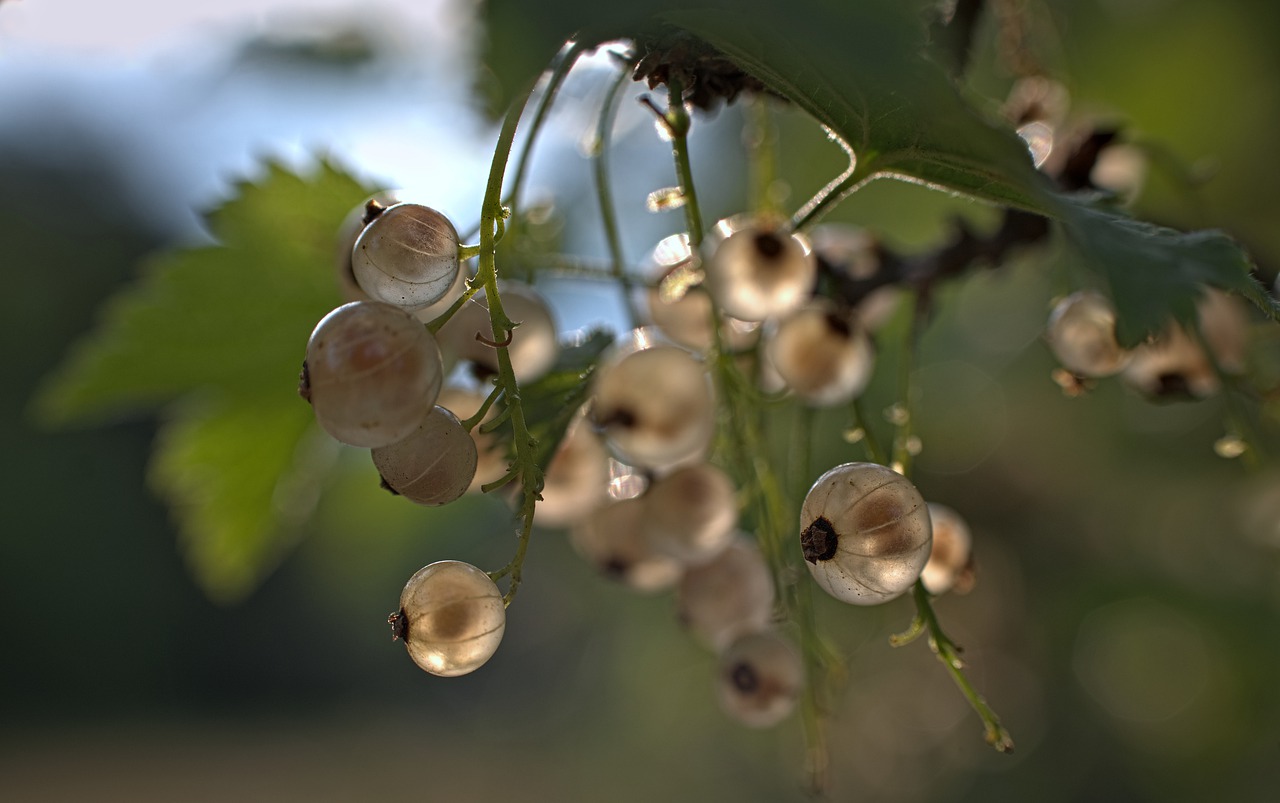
1154	273
215	335
861	70
241	480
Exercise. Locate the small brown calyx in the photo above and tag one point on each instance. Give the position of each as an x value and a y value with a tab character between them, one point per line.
616	568
304	382
744	677
621	417
769	245
371	210
399	625
819	541
838	324
386	486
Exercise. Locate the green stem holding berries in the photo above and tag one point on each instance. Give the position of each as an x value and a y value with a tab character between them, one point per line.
525	465
949	654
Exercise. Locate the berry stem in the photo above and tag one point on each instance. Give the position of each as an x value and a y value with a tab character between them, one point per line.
485	406
604	191
775	522
760	135
524	466
949	654
677	119
875	451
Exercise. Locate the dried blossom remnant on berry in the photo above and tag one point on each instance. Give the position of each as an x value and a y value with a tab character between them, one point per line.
707	75
819	541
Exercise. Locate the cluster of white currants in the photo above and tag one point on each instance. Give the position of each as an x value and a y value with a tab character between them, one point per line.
1082	335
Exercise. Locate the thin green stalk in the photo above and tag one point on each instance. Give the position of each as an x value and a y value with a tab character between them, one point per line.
949	654
604	192
869	439
565	59
761	139
485	406
525	465
677	120
775	521
903	415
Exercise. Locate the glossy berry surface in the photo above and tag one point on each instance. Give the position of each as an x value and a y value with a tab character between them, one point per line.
451	618
372	373
611	539
655	407
759	270
822	354
950	559
1082	335
691	513
865	533
760	679
728	596
407	256
434	465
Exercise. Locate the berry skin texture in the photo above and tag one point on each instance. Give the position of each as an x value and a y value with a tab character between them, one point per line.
760	680
950	565
822	354
1082	335
655	407
407	256
349	232
691	513
372	373
727	597
865	533
760	270
492	460
611	538
451	618
434	465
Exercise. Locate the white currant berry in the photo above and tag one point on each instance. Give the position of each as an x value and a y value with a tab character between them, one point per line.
728	596
352	225
576	480
372	373
611	539
434	465
865	533
492	459
451	618
1082	335
680	308
760	679
951	557
1175	364
691	513
532	345
821	353
407	255
854	252
654	406
759	269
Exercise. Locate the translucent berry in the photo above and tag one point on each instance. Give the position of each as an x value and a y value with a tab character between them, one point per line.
492	459
532	345
577	478
407	255
655	407
349	232
611	538
950	559
451	618
372	373
691	513
730	595
761	678
1082	335
854	253
1175	364
434	465
759	270
822	353
865	533
680	307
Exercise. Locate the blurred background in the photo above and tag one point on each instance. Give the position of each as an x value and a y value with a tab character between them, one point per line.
1127	609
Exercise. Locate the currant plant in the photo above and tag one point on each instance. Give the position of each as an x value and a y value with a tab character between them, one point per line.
657	446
